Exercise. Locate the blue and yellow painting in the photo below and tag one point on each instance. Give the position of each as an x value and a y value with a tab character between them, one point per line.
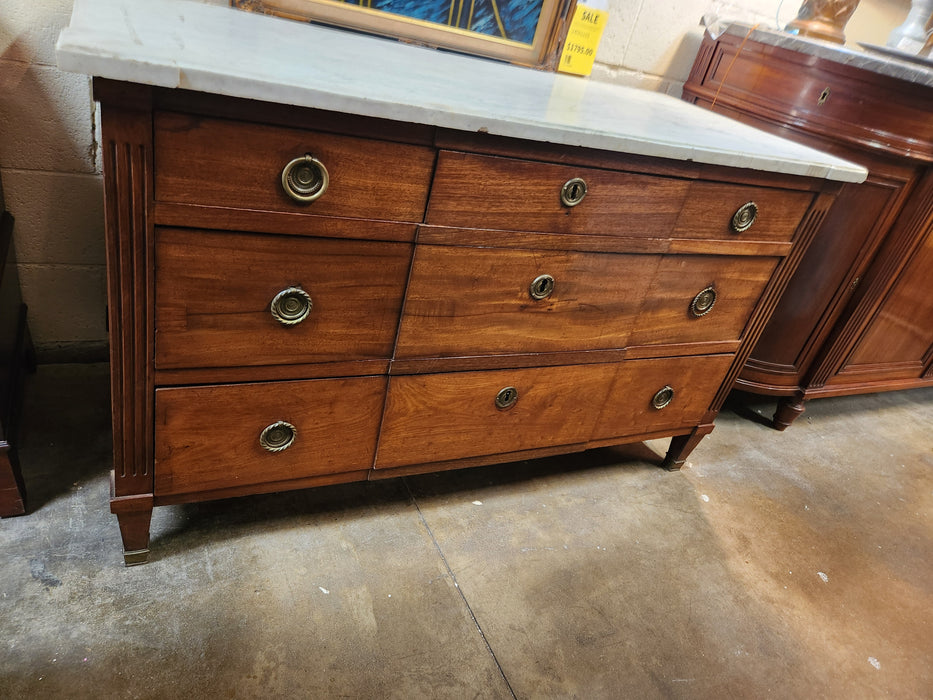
515	20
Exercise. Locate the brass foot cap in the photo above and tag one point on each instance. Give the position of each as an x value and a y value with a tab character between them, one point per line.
135	557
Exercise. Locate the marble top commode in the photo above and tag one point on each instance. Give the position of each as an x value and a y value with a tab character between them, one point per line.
874	62
216	49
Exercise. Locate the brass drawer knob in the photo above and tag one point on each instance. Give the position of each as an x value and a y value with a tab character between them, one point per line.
541	287
305	179
506	398
291	306
703	302
663	398
744	217
573	192
278	436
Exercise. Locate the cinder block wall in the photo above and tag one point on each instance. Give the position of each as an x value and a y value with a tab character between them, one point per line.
50	164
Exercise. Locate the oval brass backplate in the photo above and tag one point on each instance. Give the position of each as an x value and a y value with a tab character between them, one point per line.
290	306
663	397
573	192
703	302
744	217
541	287
506	397
305	179
278	436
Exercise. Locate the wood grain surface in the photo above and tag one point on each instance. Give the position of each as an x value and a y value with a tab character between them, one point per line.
238	164
214	289
438	417
207	438
477	301
628	409
516	195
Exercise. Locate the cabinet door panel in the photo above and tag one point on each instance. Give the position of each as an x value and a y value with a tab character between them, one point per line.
899	339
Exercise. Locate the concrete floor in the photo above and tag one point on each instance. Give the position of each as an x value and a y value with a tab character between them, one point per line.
792	565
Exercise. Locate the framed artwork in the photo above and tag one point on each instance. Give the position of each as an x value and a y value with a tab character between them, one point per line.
526	32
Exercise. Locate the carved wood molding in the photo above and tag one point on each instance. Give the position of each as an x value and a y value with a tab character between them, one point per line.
127	158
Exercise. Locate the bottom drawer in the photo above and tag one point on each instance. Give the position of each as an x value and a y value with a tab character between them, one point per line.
440	417
638	402
209	438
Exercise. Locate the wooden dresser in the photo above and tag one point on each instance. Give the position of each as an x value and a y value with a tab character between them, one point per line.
302	297
858	314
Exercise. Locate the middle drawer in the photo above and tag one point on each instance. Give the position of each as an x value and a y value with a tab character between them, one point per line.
236	299
465	301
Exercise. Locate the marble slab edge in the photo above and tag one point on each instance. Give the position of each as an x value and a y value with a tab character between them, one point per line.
891	67
118	52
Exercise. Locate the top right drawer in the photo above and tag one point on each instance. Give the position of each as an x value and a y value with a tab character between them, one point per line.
510	194
718	211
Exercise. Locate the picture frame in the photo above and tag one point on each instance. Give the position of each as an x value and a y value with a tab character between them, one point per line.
525	32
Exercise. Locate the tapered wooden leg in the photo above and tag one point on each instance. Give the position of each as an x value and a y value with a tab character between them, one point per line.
682	446
134	514
788	410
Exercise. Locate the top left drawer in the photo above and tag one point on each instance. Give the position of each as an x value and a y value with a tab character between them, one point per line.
225	163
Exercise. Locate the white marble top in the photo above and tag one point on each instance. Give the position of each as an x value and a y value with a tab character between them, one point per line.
870	60
217	49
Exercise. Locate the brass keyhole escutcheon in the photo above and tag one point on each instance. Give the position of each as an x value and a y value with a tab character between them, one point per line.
506	398
541	287
744	217
573	192
291	306
663	397
278	436
823	97
305	179
703	302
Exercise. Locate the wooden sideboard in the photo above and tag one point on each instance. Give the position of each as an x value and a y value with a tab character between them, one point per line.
858	314
324	271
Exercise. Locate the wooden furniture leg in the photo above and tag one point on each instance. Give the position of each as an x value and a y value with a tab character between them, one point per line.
134	514
788	410
683	445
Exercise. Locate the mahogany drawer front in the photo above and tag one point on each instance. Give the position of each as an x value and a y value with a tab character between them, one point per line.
673	308
640	386
209	438
821	95
223	163
439	417
710	207
215	293
518	195
479	301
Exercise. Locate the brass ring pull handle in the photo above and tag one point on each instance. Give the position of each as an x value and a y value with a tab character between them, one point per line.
291	306
506	398
541	287
305	179
744	217
703	302
278	436
573	192
663	397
